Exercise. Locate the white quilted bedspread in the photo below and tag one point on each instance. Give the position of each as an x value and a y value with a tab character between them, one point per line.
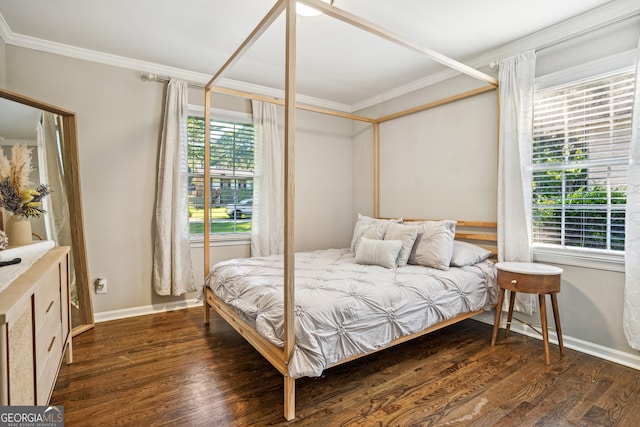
342	308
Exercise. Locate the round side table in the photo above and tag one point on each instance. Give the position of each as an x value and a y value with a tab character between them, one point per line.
531	278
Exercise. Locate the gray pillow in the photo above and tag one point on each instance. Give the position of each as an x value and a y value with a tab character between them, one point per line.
434	244
406	233
465	253
369	231
362	225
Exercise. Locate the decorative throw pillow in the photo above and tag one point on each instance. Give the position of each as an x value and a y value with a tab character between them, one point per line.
378	252
465	253
406	233
362	225
369	231
434	244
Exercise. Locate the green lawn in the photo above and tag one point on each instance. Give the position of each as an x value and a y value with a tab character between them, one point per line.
221	222
243	226
216	213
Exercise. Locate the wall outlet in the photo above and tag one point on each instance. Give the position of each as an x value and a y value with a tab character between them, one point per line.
101	285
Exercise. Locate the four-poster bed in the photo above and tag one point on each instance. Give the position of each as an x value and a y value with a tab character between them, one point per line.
280	355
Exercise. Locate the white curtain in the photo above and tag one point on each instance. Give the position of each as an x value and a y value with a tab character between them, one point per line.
267	236
631	310
49	156
172	268
516	78
57	219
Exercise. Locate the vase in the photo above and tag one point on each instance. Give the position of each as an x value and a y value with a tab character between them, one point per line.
19	230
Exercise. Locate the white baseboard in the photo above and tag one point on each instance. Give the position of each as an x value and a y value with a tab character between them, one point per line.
124	313
630	360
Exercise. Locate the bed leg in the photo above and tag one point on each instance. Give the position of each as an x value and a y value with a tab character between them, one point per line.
207	312
289	398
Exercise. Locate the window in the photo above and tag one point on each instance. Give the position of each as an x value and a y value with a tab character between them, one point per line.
581	145
231	179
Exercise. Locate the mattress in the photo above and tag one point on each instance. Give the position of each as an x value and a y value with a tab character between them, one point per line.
344	309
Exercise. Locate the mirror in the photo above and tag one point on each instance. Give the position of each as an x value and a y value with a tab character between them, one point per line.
19	119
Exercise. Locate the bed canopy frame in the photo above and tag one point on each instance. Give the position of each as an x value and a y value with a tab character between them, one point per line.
279	357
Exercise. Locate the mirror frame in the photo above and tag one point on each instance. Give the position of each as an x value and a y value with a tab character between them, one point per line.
72	181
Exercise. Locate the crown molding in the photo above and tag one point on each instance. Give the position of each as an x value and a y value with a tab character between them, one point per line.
193	77
422	83
597	18
279	94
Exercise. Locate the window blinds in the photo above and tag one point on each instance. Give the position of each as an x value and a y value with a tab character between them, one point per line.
231	179
581	143
231	147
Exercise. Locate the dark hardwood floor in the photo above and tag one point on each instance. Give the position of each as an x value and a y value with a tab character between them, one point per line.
171	369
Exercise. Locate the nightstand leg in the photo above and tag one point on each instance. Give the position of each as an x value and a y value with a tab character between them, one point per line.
512	300
496	321
543	321
556	317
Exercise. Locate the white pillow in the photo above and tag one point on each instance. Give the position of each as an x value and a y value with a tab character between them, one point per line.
368	231
407	234
362	225
434	244
465	253
378	252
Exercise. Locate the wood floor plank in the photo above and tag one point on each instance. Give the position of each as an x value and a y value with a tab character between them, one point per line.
171	369
617	401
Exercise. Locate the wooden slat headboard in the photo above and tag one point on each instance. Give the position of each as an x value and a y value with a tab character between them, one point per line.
481	233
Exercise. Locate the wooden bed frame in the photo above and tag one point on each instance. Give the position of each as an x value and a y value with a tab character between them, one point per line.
483	233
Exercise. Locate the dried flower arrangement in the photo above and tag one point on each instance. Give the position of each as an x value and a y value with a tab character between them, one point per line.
4	242
16	196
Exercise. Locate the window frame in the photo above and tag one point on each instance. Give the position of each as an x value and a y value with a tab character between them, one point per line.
221	239
577	256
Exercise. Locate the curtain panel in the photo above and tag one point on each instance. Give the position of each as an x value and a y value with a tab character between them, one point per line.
57	220
631	308
267	226
172	267
516	79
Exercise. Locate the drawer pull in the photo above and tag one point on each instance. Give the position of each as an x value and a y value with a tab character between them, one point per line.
514	282
51	343
49	308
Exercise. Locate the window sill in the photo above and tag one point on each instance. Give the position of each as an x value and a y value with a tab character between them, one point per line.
229	239
580	258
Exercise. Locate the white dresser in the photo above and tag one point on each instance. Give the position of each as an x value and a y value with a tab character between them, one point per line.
35	330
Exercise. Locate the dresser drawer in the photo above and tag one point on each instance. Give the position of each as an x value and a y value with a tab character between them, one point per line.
47	369
47	340
47	300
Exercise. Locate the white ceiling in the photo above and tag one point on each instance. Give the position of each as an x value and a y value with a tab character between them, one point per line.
336	62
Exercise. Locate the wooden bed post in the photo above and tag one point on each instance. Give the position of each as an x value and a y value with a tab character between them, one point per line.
207	191
376	170
289	205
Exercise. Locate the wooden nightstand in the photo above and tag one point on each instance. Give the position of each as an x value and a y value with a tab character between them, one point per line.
531	278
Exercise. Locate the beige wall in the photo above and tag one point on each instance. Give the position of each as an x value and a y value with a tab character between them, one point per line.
439	163
119	124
